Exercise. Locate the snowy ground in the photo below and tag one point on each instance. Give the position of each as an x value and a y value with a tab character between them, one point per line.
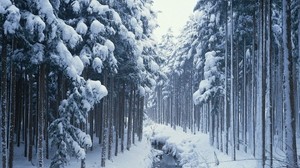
139	156
193	151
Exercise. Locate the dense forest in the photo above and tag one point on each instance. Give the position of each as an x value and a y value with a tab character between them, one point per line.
234	74
75	73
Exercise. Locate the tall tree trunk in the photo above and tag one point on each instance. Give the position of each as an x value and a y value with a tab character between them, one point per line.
245	109
12	113
290	120
117	116
260	144
141	118
4	100
129	128
298	131
26	113
226	111
30	119
41	111
46	114
254	86
134	115
111	112
104	125
236	99
232	125
268	105
91	123
122	108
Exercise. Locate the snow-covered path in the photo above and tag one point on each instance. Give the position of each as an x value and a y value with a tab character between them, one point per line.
194	151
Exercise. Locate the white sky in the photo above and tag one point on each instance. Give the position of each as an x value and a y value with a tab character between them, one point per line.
174	14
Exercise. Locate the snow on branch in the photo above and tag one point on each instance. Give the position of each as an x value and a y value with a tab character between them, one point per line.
210	85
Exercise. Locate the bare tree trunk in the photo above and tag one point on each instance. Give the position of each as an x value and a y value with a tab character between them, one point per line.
245	109
110	115
12	114
104	126
26	113
236	99
232	125
30	121
41	111
268	105
117	116
134	115
4	100
122	108
47	118
129	128
290	120
260	127
91	123
298	61
141	118
226	107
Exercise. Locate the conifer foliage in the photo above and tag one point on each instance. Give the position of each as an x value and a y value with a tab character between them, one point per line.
73	70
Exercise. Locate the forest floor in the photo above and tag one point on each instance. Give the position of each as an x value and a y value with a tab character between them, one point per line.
139	156
191	150
194	150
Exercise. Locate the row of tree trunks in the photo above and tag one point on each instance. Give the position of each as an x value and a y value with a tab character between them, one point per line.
122	110
261	98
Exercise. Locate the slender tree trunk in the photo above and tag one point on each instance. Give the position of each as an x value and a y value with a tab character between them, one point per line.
134	116
245	109
122	124
26	114
254	86
138	114
101	124
268	105
111	112
41	109
226	112
30	121
260	91
46	113
290	120
141	118
104	126
232	125
236	101
12	114
117	116
129	128
298	131
4	100
211	126
19	111
91	123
